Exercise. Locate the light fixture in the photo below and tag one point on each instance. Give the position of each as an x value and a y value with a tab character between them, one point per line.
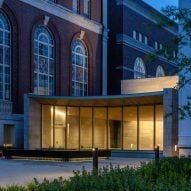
68	129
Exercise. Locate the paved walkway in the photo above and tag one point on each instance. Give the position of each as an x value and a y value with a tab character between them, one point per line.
23	171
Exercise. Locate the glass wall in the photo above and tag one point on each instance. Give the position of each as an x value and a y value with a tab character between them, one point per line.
85	127
47	126
129	128
114	127
159	126
73	124
60	127
146	128
100	127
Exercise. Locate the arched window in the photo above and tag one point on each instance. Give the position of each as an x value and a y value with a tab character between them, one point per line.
43	61
79	68
160	71
5	57
139	69
76	6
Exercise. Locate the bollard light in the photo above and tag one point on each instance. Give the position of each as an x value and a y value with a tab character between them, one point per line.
175	147
157	157
95	159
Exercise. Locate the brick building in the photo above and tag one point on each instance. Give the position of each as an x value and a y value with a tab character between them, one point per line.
40	38
135	35
70	50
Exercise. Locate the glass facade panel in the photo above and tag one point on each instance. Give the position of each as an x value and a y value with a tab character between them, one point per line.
73	127
159	126
85	128
100	128
114	127
47	126
130	128
146	128
60	127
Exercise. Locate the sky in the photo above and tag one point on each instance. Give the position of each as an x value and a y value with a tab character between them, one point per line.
158	4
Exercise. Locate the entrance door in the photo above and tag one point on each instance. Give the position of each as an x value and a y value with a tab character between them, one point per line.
115	133
8	135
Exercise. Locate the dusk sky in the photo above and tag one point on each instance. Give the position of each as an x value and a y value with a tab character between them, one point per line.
158	4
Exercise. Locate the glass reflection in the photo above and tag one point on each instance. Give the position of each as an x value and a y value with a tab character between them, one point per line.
159	126
85	128
130	128
146	128
47	126
73	127
60	127
100	128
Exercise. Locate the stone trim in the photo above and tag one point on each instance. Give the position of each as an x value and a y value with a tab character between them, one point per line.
127	40
66	14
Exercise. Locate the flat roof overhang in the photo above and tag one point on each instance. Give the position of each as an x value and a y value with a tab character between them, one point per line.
97	101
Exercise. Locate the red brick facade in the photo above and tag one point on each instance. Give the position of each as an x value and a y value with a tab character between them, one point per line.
24	19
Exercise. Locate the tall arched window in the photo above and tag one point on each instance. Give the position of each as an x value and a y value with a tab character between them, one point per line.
160	71
43	61
5	57
79	68
76	6
139	69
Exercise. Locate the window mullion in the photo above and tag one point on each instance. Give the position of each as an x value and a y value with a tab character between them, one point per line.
38	71
3	65
83	82
48	69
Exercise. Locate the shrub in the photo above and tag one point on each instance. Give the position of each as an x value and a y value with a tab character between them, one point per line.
170	174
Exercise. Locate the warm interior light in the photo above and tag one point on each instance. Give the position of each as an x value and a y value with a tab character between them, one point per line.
61	113
175	147
68	130
131	146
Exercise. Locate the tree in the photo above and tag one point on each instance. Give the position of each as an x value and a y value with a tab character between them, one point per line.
182	17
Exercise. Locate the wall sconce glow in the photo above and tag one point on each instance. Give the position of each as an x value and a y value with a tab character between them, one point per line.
131	146
175	147
68	129
158	145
